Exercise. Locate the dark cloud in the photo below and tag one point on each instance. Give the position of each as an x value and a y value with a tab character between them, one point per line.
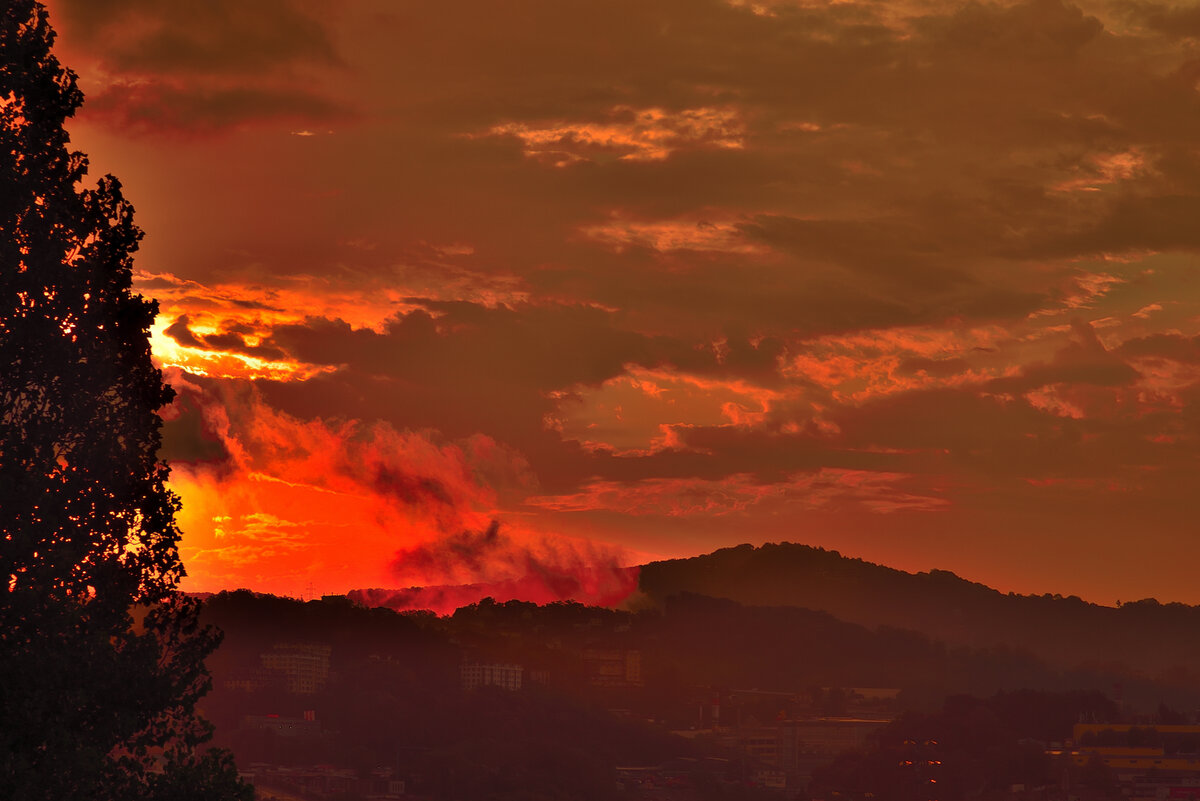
201	68
228	340
741	355
983	430
1175	347
467	553
933	140
190	437
461	369
1084	361
886	249
157	108
453	344
1040	30
716	452
218	36
233	341
181	333
783	297
935	367
409	489
1140	223
1174	21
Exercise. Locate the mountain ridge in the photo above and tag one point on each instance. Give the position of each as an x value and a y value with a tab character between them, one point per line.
1145	635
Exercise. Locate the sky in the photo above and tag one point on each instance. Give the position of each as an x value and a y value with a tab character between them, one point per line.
456	290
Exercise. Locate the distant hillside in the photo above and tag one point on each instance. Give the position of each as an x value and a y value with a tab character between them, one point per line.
1162	639
683	651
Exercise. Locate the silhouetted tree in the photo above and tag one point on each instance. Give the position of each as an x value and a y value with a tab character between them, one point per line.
101	658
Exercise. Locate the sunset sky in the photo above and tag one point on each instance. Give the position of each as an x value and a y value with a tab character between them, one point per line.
916	281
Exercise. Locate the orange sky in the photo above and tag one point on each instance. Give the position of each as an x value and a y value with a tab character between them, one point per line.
912	280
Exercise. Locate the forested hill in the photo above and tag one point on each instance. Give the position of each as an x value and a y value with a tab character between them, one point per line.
1144	635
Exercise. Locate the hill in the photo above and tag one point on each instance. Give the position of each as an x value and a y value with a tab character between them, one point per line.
1158	639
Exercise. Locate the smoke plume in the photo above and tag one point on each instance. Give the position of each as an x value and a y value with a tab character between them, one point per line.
466	567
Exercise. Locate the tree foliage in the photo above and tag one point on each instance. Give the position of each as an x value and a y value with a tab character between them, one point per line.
101	658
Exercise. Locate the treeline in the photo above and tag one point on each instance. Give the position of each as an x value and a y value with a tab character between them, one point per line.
385	665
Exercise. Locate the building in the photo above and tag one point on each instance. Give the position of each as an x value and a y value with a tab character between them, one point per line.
613	667
760	743
507	677
805	744
1149	761
303	667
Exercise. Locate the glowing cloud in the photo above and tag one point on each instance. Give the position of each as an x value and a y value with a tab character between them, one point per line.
701	235
269	476
647	134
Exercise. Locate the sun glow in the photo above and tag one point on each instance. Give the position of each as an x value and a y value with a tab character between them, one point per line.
224	363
